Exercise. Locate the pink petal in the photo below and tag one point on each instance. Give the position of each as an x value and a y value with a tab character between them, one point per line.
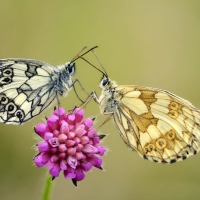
71	151
88	122
62	148
69	173
89	149
79	147
71	135
63	165
72	161
53	122
50	164
41	159
96	162
62	138
40	129
70	143
43	147
60	112
71	127
91	142
79	174
77	140
101	150
84	140
96	140
86	166
80	130
79	156
54	142
62	155
56	133
38	161
91	133
54	158
64	128
55	171
48	136
54	150
71	118
79	113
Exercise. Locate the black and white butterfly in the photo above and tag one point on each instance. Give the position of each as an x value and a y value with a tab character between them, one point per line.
28	87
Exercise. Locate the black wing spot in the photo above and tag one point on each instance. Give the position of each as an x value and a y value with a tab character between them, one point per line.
184	157
172	161
19	114
7	80
3	99
145	157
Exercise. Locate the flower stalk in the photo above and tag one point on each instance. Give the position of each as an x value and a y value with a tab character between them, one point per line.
48	188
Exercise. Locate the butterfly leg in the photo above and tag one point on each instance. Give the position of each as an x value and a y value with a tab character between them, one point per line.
58	104
105	121
91	96
73	85
95	97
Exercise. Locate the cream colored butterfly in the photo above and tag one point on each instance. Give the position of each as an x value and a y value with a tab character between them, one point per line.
159	125
27	87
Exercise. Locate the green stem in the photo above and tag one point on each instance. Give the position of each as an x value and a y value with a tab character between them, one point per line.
47	189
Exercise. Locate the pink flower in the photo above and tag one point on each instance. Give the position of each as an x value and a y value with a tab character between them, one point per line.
70	144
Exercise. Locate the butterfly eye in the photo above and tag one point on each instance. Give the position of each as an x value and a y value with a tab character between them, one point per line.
3	99
105	82
19	114
11	108
71	68
7	72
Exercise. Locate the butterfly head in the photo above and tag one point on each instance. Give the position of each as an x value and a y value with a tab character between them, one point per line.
106	83
71	68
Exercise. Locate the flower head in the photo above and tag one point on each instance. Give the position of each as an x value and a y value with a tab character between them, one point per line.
70	144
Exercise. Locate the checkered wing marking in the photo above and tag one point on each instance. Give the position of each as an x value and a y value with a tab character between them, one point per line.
26	89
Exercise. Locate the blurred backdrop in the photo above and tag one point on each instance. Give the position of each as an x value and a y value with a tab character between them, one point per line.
150	43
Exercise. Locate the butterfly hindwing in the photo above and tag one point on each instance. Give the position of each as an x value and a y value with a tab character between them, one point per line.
168	126
26	89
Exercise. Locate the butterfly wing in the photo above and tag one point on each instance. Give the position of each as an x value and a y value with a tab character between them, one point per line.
159	125
26	89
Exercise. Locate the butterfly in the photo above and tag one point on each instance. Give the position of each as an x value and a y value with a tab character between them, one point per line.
158	125
28	87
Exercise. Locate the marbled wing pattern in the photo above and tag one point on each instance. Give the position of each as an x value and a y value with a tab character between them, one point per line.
159	125
27	87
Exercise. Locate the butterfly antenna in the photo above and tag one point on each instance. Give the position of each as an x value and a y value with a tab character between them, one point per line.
93	66
100	63
75	57
78	55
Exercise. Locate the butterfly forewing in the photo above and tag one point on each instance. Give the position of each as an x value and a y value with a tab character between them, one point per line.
27	87
157	124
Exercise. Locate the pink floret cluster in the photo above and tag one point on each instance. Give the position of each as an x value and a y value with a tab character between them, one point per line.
69	144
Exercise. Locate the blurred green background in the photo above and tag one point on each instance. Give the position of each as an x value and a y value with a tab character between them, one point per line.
150	43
